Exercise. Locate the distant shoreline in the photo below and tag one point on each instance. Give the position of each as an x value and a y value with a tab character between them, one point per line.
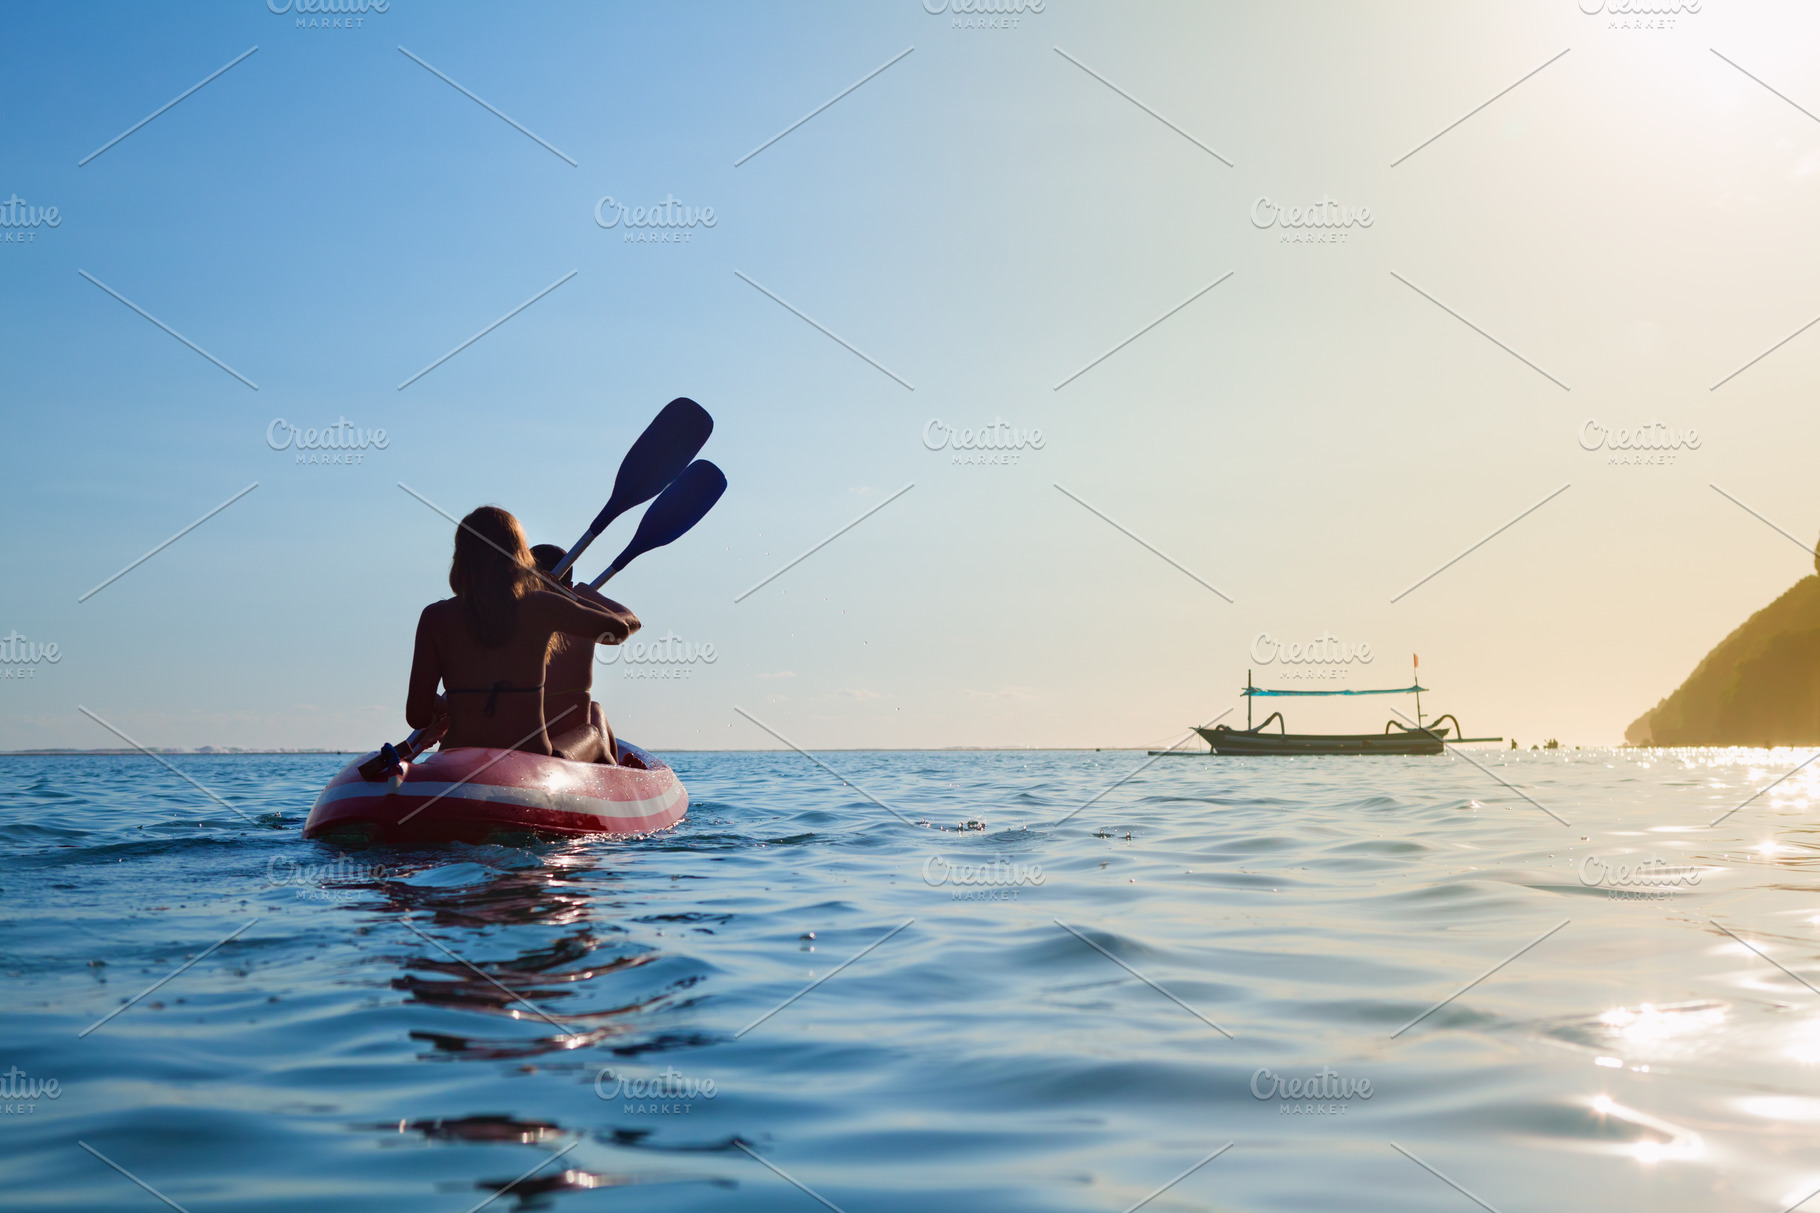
223	752
206	751
226	752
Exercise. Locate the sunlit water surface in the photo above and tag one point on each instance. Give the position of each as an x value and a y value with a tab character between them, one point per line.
414	1030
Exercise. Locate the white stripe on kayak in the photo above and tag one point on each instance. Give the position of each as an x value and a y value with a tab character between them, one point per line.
649	808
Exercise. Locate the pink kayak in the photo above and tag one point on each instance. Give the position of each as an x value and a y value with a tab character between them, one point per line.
473	794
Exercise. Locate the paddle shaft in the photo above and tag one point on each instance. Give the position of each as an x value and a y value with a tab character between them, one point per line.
391	755
677	509
574	553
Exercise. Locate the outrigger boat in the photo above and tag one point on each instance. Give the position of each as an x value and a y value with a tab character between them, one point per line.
1396	739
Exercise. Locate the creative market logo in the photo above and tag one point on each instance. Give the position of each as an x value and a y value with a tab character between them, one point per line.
20	658
19	1093
1652	445
670	657
321	881
1323	1093
668	222
1322	222
983	14
1640	14
327	14
343	444
1652	879
995	444
668	1094
996	881
1326	656
17	214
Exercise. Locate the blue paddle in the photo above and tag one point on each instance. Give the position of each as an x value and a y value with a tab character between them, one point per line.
679	507
659	459
673	438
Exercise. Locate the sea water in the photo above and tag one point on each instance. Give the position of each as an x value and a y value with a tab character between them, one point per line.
927	981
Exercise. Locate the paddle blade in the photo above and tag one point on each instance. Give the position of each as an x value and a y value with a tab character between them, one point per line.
677	509
673	438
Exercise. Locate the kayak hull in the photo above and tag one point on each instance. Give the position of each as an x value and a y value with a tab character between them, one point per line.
474	794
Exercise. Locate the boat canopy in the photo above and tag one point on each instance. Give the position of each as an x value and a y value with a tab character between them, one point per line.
1410	690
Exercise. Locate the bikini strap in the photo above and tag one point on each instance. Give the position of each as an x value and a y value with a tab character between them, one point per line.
502	687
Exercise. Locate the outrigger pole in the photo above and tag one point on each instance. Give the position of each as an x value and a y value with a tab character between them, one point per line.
1248	701
1416	664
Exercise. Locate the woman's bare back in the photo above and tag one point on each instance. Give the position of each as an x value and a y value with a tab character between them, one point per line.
495	695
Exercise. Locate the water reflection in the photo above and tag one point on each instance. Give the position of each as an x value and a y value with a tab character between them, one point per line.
1660	1141
544	986
539	976
526	944
1804	1043
533	1190
1650	1025
477	1128
1781	1107
557	891
532	1193
582	985
1649	1032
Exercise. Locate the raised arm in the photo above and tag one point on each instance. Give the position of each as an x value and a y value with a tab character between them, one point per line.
593	617
421	704
597	599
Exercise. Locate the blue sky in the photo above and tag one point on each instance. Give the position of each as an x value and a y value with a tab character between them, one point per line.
983	218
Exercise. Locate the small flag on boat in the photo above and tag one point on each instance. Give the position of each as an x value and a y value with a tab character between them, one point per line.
1417	659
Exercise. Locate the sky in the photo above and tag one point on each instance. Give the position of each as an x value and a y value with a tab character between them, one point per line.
1579	223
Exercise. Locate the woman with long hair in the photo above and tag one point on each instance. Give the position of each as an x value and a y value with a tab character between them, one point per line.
487	645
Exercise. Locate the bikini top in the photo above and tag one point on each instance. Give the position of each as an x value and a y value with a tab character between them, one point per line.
502	687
